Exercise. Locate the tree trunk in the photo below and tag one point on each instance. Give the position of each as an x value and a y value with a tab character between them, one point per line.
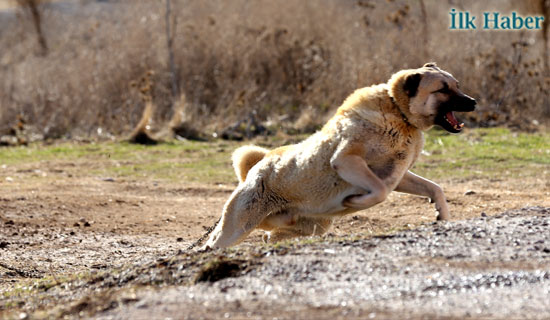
169	43
32	6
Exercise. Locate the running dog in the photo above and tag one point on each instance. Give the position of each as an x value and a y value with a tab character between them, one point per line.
363	152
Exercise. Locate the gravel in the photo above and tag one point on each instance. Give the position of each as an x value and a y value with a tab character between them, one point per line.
488	267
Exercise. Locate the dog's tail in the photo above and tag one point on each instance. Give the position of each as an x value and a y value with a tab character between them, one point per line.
244	158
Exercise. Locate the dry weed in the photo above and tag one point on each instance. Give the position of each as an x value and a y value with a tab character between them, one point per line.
275	58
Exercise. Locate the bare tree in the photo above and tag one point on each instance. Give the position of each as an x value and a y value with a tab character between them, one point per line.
145	88
424	28
180	124
33	6
170	47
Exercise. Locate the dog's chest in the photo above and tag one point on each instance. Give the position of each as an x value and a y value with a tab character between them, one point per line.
394	154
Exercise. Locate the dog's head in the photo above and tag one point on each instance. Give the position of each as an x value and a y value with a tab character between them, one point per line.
428	96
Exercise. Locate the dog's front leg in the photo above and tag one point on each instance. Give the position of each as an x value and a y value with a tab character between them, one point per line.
414	184
354	170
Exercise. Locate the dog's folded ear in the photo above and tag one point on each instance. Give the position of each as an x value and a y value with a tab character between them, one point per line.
411	84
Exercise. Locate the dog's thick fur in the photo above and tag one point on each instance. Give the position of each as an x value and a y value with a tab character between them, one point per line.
364	152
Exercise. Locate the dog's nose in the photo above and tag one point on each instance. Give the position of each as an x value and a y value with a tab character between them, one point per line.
469	101
466	103
472	104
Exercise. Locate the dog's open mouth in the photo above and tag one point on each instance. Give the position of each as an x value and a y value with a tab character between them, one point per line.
446	117
448	121
451	119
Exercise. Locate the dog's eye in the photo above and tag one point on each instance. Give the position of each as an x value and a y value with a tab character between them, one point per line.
445	89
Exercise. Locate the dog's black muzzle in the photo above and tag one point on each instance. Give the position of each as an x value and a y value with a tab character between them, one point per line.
462	103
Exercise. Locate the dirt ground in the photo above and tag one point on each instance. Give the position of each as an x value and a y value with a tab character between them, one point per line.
494	267
68	224
57	220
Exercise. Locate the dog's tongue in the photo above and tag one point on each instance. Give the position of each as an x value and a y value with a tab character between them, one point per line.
451	117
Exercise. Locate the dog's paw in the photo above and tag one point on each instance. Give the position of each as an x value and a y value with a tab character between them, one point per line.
443	214
205	248
265	237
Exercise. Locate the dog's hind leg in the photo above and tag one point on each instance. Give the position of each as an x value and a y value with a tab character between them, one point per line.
249	204
413	184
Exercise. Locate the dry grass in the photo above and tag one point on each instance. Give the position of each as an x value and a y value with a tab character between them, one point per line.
275	57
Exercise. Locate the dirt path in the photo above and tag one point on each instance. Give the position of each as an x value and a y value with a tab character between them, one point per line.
54	223
58	220
71	226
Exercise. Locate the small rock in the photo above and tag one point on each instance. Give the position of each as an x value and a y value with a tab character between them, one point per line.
3	244
483	214
469	192
87	224
179	239
108	179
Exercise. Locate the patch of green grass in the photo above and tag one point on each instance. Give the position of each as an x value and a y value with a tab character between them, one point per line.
174	161
485	152
106	150
493	153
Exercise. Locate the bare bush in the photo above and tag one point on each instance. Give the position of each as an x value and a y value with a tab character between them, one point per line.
142	132
275	58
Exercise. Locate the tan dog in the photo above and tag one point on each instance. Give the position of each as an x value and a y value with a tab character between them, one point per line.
362	154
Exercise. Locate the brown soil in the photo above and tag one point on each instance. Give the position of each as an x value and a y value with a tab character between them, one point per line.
52	223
